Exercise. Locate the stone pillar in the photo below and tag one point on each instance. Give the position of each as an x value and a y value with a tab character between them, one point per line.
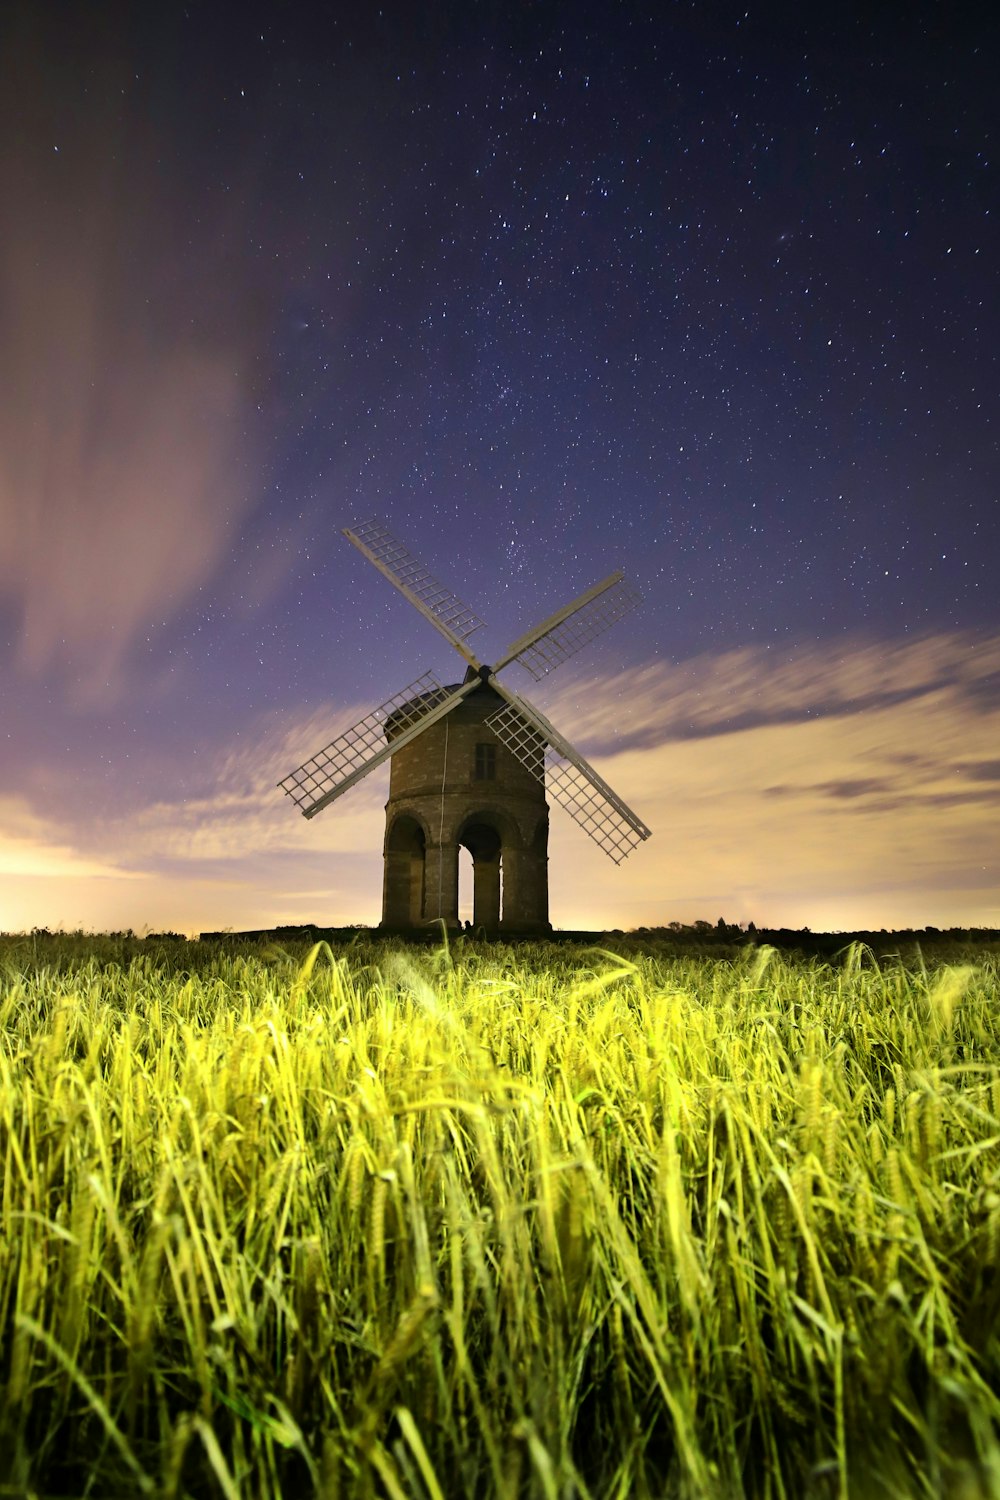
526	887
441	883
486	892
418	875
397	907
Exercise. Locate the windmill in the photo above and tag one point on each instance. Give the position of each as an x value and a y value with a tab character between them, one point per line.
472	762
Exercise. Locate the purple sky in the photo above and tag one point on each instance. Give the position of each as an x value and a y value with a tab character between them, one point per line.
705	293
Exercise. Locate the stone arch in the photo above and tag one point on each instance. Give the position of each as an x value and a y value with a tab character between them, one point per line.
504	824
404	896
485	834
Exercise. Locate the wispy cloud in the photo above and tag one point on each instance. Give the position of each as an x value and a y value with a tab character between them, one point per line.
236	854
125	392
31	848
829	815
723	693
242	814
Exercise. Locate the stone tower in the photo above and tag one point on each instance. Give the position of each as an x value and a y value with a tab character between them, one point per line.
456	786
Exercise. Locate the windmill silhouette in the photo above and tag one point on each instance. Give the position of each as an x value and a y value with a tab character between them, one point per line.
472	762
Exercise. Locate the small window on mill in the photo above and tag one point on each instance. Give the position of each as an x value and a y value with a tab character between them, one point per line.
486	762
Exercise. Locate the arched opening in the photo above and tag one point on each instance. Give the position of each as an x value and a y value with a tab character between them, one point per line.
466	877
405	879
484	844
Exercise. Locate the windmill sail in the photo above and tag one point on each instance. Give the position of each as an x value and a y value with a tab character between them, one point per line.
445	611
568	778
338	766
565	633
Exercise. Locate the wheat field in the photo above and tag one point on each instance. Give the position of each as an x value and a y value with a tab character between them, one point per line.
496	1221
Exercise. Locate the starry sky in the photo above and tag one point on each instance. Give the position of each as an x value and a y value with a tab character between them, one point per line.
704	292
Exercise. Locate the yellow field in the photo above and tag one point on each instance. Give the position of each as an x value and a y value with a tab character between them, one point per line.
526	1221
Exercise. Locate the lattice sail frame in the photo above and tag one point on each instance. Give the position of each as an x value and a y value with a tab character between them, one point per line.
569	636
359	749
409	574
570	781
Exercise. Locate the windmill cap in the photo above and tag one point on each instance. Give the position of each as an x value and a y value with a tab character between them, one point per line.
402	716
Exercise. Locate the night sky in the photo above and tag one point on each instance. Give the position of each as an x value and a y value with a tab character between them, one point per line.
702	292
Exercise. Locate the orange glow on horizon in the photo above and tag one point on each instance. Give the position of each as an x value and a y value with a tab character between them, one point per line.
835	820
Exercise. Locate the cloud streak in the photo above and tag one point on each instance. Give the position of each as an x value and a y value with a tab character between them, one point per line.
125	395
242	814
30	848
827	816
756	686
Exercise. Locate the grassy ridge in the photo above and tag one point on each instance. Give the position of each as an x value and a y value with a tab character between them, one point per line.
505	1222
